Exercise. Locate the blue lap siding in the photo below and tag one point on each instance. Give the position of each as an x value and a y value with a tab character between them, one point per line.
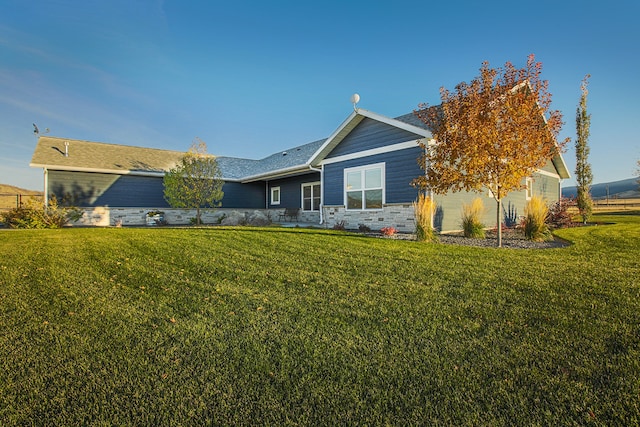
244	196
370	134
87	189
291	189
401	167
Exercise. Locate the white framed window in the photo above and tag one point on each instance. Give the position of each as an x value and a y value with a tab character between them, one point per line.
275	195
364	187
311	196
529	189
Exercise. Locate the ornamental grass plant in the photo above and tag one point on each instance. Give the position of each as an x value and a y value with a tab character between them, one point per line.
471	223
424	208
535	220
34	214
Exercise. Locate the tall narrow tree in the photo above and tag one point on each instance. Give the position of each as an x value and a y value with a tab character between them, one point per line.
491	133
584	176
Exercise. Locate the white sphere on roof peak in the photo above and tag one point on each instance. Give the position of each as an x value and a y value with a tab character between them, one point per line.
355	98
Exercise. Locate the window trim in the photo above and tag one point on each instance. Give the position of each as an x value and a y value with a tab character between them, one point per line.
362	169
273	191
311	184
528	191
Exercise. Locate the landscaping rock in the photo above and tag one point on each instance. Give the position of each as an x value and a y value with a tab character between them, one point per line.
258	219
234	218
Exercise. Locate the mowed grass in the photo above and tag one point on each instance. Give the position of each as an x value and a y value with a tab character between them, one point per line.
241	326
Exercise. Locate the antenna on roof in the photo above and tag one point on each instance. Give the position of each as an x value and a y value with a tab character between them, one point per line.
66	148
355	98
36	131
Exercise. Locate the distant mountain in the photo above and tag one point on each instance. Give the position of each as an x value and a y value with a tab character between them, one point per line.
625	189
10	189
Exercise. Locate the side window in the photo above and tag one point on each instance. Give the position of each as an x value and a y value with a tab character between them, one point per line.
529	188
275	195
364	187
311	196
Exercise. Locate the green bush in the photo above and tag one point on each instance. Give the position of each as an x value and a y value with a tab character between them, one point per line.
34	214
471	224
535	220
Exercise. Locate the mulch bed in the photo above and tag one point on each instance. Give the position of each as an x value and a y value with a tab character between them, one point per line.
511	239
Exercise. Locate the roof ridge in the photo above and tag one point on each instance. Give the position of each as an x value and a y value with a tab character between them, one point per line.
113	144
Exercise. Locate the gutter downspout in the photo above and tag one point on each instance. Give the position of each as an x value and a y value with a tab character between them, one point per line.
46	186
321	190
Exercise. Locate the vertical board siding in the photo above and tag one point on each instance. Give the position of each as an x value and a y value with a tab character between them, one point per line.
401	167
370	134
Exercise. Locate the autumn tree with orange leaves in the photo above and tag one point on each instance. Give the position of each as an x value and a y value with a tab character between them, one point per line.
490	134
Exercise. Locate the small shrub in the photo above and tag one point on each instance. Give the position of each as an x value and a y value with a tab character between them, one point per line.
34	214
559	216
423	209
584	204
388	231
471	214
340	225
535	216
364	228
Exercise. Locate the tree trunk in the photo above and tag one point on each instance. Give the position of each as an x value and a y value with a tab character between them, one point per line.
499	222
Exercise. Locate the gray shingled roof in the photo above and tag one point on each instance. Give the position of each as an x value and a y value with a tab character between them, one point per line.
98	156
235	168
412	119
103	157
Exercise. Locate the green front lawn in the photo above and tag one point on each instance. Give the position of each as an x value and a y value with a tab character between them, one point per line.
242	326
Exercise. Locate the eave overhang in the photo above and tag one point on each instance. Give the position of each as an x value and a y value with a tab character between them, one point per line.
96	170
281	173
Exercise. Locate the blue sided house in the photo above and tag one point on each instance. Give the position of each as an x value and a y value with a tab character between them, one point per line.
360	174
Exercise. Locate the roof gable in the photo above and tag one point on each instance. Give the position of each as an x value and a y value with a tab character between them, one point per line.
353	121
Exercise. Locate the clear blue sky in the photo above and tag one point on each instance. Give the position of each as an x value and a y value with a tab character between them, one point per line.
251	78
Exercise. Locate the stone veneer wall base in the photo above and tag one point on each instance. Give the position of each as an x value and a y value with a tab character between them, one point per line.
397	215
103	216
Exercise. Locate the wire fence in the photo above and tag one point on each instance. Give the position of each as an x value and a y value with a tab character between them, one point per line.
12	200
614	204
